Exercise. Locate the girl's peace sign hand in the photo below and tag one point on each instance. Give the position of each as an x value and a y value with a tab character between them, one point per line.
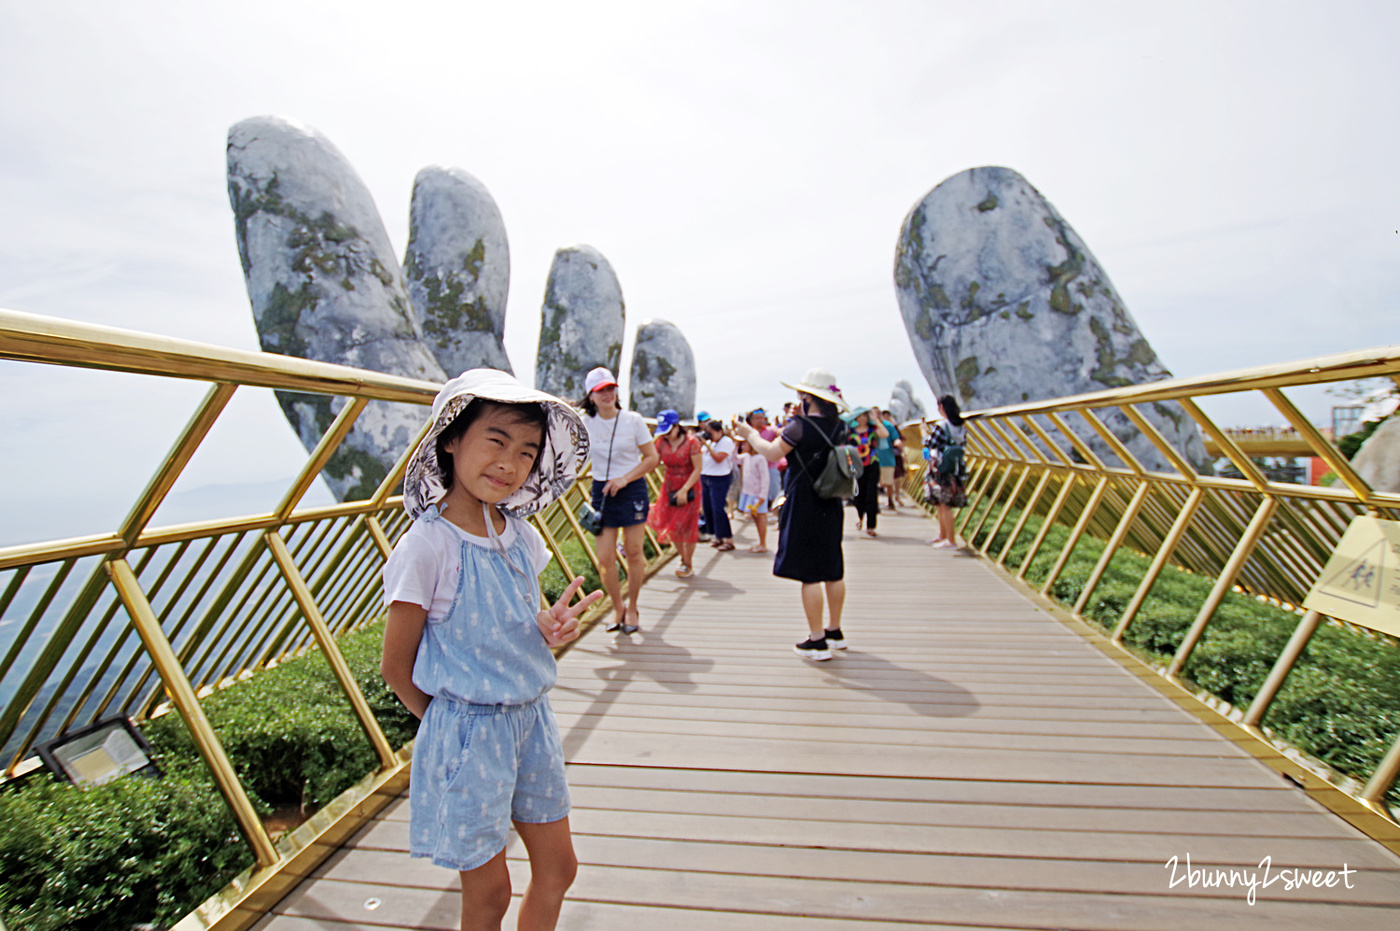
559	624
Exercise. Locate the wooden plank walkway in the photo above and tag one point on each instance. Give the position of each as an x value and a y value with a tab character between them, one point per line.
969	762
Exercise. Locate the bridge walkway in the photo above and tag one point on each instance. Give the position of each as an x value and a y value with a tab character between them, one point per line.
970	761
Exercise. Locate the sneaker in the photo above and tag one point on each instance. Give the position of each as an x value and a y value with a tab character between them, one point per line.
812	649
684	572
835	640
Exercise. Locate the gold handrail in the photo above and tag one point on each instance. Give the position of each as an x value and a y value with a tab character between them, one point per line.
1265	538
214	600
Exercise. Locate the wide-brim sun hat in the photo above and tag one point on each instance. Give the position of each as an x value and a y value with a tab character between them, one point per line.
562	457
820	383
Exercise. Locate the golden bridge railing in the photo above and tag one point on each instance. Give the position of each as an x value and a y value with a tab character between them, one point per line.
210	603
1268	539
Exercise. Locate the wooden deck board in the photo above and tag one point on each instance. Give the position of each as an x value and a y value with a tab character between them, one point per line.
968	762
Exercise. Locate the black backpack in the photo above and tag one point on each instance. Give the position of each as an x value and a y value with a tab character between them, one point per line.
950	461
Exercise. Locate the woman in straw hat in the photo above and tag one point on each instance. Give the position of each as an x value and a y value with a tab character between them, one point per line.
809	528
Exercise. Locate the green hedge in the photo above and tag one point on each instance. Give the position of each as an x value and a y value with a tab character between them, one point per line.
1341	702
134	851
151	850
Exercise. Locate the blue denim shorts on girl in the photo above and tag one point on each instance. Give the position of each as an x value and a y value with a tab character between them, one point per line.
482	767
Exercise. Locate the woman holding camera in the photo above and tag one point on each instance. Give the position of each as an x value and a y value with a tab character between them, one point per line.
676	515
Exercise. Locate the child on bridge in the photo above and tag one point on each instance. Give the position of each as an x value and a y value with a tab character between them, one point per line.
467	646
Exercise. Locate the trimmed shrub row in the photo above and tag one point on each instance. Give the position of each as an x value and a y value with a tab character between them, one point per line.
142	851
1341	702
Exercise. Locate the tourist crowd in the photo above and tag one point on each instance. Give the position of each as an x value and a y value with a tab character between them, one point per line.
718	472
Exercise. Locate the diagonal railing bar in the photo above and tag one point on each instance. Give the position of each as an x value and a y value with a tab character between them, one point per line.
1227	445
1163	446
1025	515
1066	486
1323	449
329	443
1064	458
1091	457
179	456
1130	461
1085	515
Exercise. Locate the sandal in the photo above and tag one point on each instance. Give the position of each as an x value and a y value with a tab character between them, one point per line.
684	572
871	533
758	549
725	547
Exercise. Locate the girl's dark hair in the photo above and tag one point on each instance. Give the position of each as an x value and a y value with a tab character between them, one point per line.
821	406
587	405
531	414
951	409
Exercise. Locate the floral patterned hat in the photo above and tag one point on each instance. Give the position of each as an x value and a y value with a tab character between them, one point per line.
563	455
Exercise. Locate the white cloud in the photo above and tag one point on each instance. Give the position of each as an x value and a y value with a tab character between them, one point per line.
744	166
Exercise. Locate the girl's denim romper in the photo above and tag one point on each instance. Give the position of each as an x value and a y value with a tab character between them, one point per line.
488	749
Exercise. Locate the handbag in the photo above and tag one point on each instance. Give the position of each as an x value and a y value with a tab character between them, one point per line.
590	518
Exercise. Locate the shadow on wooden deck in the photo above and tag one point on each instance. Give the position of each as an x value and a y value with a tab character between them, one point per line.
968	762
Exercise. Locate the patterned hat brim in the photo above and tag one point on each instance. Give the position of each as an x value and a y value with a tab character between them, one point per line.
561	459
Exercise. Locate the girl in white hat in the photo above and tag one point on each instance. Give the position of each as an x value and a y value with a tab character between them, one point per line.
467	643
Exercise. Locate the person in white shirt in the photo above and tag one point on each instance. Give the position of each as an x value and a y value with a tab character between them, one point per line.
622	453
716	472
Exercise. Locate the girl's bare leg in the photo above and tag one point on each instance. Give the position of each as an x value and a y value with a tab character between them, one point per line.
606	545
553	866
761	522
633	539
486	895
687	548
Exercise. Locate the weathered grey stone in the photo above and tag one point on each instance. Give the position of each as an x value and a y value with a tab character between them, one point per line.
663	371
457	266
324	285
904	404
1378	459
581	322
1004	303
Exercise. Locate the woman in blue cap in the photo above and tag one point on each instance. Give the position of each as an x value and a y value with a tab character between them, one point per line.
676	515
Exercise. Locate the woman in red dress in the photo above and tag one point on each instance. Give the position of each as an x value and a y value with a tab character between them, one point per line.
676	514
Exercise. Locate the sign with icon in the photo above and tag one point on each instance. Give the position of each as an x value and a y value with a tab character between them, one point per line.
1361	582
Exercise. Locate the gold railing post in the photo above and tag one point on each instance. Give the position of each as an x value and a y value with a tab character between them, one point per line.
381	539
991	503
1282	667
1005	508
182	695
334	658
1125	523
1085	516
1159	561
1224	583
1026	513
1382	779
1051	516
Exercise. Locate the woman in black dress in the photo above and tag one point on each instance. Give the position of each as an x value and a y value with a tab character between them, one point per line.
809	527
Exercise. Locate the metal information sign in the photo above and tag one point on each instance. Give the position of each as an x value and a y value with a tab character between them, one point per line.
1361	582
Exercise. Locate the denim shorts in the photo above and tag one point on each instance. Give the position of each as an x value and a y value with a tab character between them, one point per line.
476	768
628	507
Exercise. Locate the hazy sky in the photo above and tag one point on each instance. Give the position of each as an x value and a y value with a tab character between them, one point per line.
744	166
